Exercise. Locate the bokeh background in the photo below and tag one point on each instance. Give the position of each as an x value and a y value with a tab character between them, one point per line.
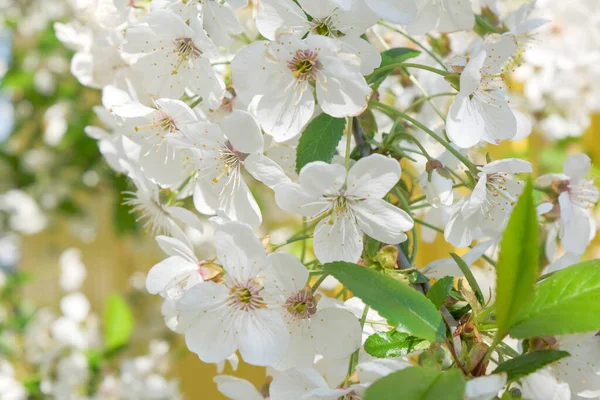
58	194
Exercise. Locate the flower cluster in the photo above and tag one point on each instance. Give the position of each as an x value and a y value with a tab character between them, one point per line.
223	113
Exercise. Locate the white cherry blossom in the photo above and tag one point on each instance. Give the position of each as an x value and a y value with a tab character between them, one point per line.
327	18
220	152
479	111
316	325
287	71
577	195
349	204
486	211
236	314
174	56
398	11
153	129
442	16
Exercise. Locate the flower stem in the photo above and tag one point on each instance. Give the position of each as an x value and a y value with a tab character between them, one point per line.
415	41
354	357
348	142
319	281
290	240
394	114
411	65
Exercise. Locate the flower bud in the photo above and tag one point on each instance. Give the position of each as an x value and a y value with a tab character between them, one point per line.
387	256
475	365
543	343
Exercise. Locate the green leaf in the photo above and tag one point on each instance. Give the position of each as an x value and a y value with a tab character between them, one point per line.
517	268
440	290
527	363
418	383
118	322
470	277
566	302
393	344
401	305
389	57
319	140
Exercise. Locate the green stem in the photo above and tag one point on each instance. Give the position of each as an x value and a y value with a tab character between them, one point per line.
415	41
423	197
485	24
319	281
435	228
348	142
411	65
196	102
354	357
394	114
427	98
291	240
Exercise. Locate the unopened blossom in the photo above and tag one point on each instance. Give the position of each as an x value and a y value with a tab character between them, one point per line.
153	129
349	204
174	56
577	195
442	16
220	152
436	180
324	18
479	111
486	211
236	314
286	72
316	326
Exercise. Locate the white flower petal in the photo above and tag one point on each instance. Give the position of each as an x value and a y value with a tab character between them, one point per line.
243	132
340	241
464	125
383	221
370	57
264	169
373	176
337	332
239	250
295	383
508	165
203	296
577	166
280	16
399	11
291	197
213	335
485	387
318	178
175	247
236	388
286	275
263	337
162	273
